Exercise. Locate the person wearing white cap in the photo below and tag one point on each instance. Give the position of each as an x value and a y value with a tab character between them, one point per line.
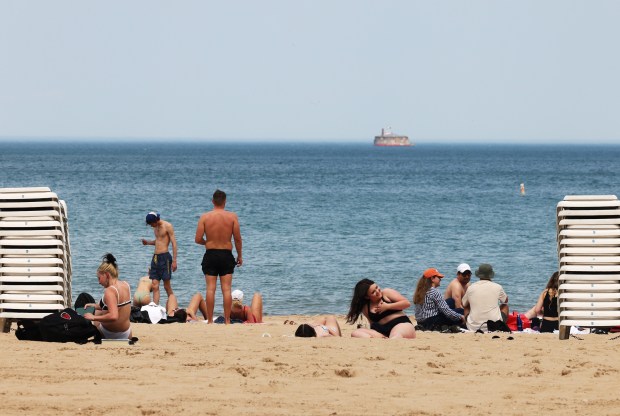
252	314
456	289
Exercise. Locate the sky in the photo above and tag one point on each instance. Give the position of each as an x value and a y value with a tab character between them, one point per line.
320	70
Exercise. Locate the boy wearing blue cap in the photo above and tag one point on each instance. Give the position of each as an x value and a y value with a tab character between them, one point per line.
162	263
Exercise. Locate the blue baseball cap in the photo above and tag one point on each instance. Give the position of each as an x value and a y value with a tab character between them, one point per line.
152	217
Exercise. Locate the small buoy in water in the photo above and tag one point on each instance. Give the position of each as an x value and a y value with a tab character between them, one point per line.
522	189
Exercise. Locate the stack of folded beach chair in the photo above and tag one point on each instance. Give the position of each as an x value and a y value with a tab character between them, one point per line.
35	254
588	229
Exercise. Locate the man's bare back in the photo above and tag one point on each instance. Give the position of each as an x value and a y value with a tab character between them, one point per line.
218	226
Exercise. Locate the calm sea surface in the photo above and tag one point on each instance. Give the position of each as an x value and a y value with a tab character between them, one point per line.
316	218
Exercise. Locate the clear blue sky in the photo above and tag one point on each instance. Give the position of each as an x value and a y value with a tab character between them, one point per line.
439	71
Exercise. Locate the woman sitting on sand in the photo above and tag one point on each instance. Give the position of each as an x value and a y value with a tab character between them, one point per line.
112	312
431	309
547	305
326	326
252	314
383	309
142	295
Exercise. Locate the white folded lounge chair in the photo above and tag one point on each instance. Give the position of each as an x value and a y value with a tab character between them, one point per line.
35	254
588	241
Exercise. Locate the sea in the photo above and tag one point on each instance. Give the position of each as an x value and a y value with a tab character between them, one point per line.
318	217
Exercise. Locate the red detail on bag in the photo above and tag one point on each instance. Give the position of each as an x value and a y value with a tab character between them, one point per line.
66	316
512	321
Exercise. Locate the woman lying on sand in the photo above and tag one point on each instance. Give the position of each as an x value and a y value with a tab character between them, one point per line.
188	314
326	326
383	309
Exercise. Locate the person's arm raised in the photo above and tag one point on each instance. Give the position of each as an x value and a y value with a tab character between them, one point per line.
399	302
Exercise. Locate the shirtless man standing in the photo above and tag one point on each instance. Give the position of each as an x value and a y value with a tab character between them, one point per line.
162	263
215	231
457	288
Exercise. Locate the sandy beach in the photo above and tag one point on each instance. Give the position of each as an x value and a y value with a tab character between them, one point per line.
187	369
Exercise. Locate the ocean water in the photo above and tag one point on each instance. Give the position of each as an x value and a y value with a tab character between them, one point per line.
316	218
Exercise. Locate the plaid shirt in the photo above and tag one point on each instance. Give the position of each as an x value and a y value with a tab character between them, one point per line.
434	304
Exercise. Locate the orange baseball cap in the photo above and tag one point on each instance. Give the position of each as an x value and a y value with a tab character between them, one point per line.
432	272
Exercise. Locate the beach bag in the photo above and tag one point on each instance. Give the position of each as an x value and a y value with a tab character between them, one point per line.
28	331
82	299
513	324
497	326
68	326
138	316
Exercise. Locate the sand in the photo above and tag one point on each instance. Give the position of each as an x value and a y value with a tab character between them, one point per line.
191	369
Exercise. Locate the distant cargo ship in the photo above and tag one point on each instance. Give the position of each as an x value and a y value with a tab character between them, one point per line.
387	138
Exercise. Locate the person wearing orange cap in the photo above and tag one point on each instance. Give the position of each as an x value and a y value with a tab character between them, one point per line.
431	309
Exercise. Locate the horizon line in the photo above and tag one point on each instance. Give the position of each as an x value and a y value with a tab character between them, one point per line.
195	140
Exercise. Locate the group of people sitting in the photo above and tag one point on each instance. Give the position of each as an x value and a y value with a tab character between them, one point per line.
473	305
467	305
463	305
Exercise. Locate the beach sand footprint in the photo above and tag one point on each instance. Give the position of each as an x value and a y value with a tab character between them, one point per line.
345	372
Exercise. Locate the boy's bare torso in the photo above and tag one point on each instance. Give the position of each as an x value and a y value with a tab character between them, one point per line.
162	237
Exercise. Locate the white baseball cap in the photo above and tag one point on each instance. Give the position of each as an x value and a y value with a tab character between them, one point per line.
237	295
463	267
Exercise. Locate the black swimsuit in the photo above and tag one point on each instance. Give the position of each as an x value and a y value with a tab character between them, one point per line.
386	328
550	306
550	310
218	262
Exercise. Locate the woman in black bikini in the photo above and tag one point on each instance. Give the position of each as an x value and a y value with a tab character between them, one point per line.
547	305
383	309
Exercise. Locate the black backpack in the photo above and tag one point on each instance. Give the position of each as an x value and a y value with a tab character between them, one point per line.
28	330
68	326
138	316
82	299
497	326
